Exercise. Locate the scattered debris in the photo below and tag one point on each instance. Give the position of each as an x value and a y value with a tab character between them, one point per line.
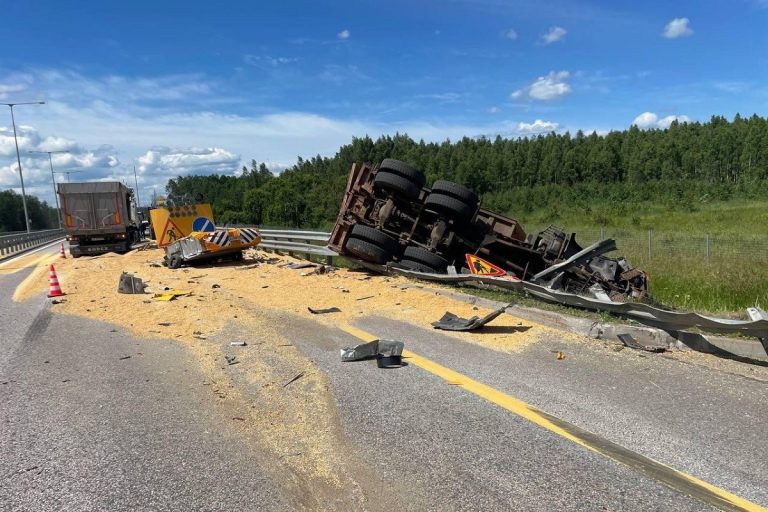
294	379
238	344
388	353
164	324
214	285
366	297
630	342
125	357
343	290
155	264
130	284
238	418
265	286
245	267
451	322
231	360
560	356
334	309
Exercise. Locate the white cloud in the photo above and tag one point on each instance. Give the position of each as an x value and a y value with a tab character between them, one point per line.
90	164
678	27
510	34
538	126
545	88
181	161
494	110
344	34
649	120
261	60
554	34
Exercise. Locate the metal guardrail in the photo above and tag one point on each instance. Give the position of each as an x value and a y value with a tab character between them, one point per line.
19	242
313	242
293	241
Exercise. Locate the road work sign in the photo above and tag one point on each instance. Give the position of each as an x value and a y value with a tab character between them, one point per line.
174	222
481	267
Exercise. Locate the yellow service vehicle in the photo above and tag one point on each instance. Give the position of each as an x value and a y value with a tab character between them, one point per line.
222	243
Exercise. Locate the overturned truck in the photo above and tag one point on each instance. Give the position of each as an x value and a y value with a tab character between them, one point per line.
389	218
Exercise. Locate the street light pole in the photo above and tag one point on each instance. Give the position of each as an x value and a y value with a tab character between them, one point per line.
53	180
18	157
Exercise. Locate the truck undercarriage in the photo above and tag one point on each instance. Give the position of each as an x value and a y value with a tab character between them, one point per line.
388	217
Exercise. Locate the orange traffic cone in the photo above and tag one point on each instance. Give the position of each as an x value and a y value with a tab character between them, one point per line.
55	289
61	252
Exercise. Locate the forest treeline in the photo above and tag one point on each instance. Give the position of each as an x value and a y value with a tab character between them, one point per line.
718	160
41	216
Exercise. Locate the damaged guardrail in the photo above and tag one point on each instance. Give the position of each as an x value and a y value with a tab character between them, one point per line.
19	242
757	327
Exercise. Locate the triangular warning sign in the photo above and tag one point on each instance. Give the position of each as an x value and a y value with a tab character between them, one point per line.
170	234
483	268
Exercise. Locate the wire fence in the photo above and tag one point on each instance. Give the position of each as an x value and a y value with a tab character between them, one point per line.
650	246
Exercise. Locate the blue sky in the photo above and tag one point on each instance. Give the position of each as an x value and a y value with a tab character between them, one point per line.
190	87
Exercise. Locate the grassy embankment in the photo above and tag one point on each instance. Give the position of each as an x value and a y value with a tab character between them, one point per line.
732	278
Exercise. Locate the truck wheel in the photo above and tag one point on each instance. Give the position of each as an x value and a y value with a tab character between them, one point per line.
404	170
374	236
396	184
423	256
174	261
367	251
451	207
449	188
417	266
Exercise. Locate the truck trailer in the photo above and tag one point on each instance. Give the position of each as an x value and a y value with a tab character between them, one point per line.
389	218
99	217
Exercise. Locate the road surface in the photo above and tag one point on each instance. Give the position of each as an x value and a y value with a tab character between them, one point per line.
96	418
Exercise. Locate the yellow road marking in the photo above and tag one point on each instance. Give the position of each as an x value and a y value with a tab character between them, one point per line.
681	482
34	275
23	265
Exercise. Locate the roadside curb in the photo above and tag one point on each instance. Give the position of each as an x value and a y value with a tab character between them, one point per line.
649	336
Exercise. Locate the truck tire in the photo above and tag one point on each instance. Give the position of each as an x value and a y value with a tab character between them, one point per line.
450	207
460	192
174	261
425	257
376	237
396	184
418	267
403	169
367	251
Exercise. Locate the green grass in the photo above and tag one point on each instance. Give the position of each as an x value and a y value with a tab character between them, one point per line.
732	277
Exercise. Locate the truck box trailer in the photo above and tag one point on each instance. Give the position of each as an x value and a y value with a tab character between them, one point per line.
99	217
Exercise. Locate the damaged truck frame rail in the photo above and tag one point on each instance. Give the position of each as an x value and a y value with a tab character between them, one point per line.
391	223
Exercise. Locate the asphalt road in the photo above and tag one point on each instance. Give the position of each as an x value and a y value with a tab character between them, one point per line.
83	426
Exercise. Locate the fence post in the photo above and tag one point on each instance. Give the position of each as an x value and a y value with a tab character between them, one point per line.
650	244
707	248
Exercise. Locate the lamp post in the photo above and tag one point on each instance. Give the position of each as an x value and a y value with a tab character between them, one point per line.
18	156
53	179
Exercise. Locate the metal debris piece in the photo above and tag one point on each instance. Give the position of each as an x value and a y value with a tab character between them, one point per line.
294	379
214	285
299	265
366	297
130	284
231	360
238	343
388	353
451	322
630	342
323	311
125	357
170	294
